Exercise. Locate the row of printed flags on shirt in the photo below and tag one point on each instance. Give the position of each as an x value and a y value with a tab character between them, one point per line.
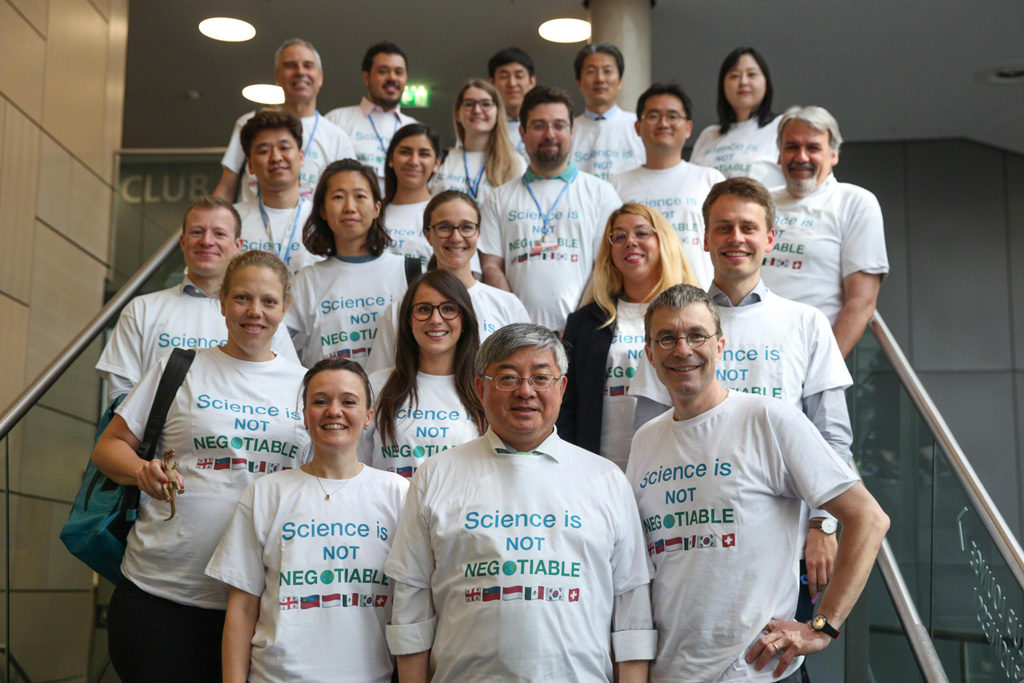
333	600
521	593
708	540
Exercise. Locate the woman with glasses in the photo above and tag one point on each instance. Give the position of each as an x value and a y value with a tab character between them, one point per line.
451	224
412	160
426	403
485	157
640	255
742	143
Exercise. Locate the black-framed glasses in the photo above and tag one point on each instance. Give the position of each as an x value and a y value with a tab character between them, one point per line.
621	236
485	105
508	381
466	229
448	310
672	118
695	340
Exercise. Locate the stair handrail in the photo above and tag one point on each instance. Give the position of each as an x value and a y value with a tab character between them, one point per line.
1005	542
45	379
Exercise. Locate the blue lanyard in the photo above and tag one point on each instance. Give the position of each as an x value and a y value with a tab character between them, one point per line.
309	142
284	253
474	186
380	140
546	217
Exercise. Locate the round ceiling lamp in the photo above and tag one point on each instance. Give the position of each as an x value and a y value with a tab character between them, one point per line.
565	30
263	93
227	29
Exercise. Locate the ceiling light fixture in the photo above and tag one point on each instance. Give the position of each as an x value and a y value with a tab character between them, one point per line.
565	30
263	93
227	29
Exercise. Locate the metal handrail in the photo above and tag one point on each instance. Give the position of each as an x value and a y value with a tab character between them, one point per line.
915	629
997	527
21	405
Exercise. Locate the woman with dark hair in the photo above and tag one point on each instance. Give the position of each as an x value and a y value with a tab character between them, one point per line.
278	628
338	300
412	160
212	456
486	157
451	223
640	255
742	143
427	403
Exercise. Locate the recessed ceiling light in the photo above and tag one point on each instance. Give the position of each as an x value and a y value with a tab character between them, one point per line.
565	30
227	29
263	93
1004	74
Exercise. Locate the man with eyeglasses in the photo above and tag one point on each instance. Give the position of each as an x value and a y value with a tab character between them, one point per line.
540	233
605	142
666	182
776	348
529	547
719	481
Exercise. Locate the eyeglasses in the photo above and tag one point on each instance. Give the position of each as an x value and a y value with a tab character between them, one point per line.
673	118
694	339
445	229
640	234
448	310
511	382
485	105
541	126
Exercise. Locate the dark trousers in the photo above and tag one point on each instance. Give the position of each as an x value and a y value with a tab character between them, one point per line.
153	640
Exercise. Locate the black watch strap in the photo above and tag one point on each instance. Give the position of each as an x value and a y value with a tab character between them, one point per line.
820	623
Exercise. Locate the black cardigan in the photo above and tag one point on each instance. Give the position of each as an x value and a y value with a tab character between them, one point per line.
579	421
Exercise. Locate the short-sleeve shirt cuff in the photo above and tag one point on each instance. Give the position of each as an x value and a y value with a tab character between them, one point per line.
409	639
633	645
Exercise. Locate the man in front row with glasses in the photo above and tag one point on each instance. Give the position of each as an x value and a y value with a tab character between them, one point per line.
529	548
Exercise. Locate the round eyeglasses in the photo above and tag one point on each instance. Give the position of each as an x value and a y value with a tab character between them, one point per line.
695	340
466	229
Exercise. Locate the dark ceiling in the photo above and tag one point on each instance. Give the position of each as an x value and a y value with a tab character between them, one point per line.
887	70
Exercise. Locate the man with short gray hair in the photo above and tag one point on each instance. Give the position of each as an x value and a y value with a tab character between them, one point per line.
529	547
830	243
299	73
719	481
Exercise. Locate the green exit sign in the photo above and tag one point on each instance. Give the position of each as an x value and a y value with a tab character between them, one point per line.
416	96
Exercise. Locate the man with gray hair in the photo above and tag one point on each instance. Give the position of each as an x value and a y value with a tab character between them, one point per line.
719	481
529	548
299	73
830	243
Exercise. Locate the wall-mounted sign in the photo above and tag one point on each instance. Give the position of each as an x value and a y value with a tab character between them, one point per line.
416	96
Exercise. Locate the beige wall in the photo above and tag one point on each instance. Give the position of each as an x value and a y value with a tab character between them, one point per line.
62	70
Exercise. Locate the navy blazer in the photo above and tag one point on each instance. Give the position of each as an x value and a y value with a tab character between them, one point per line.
587	345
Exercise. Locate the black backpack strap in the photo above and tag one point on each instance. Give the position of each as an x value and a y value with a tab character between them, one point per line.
174	374
413	268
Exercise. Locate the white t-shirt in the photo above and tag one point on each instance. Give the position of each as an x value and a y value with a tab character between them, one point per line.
153	324
283	226
336	306
720	499
224	435
776	348
547	267
493	307
820	239
607	147
452	174
329	143
405	225
746	150
523	554
371	129
517	140
618	407
678	193
303	555
436	422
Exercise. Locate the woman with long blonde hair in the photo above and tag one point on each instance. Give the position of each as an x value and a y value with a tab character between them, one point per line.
640	255
485	157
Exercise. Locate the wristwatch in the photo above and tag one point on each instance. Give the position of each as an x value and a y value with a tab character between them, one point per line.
827	525
820	623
